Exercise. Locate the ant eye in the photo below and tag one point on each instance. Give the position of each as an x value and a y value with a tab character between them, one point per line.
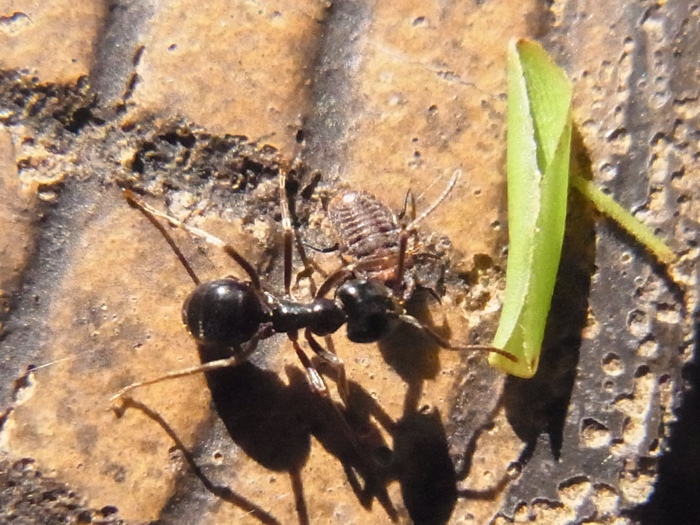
357	295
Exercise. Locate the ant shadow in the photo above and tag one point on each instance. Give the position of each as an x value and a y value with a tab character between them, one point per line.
273	423
428	471
423	465
427	468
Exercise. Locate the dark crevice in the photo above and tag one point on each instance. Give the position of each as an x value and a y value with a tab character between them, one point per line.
27	323
677	489
333	93
119	50
80	118
29	496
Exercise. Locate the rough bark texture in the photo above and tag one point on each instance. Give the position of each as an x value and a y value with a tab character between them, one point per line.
197	109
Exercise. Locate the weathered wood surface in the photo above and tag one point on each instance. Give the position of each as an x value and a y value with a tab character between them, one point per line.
390	96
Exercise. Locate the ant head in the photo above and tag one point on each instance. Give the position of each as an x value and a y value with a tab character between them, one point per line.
225	312
370	308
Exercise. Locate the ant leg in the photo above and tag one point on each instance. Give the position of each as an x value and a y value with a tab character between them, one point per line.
309	266
288	232
335	278
291	238
401	263
410	229
318	386
152	213
316	382
234	360
335	362
409	319
409	197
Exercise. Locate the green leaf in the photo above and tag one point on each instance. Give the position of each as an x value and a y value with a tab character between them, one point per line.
539	144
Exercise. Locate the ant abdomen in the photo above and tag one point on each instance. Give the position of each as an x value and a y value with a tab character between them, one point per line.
224	312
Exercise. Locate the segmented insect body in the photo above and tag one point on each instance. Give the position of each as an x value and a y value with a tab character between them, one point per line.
366	226
374	243
369	237
377	280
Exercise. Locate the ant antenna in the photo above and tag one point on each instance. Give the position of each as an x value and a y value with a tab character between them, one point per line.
288	232
409	319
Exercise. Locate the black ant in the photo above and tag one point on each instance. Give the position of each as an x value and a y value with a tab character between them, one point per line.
235	314
230	313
